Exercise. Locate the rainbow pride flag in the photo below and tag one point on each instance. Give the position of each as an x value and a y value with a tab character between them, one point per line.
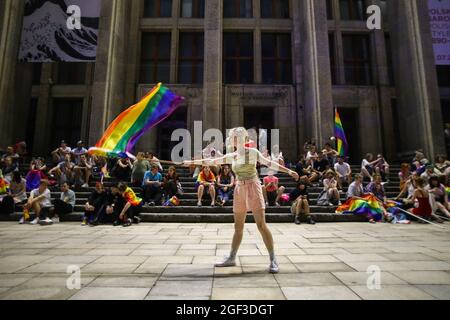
3	185
342	145
126	130
130	196
369	206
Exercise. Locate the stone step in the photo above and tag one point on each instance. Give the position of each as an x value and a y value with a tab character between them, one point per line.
206	208
84	196
190	188
210	218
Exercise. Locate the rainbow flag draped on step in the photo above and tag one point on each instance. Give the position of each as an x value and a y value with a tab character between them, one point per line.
339	133
126	130
369	206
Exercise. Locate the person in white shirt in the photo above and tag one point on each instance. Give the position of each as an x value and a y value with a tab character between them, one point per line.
40	201
356	189
59	154
78	152
343	171
212	151
312	155
368	166
277	155
83	171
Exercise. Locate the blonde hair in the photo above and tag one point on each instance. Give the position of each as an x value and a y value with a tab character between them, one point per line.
240	133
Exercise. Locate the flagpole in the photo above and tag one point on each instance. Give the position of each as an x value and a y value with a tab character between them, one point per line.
334	128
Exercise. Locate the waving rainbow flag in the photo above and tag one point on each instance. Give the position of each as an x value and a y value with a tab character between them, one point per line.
342	145
123	134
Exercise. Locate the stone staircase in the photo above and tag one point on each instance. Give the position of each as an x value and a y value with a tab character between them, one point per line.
189	212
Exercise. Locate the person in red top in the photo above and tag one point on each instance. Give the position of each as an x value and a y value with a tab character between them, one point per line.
424	209
272	191
132	206
206	180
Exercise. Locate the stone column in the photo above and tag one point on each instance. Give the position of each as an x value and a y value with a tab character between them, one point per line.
109	79
212	94
11	29
383	90
417	88
297	65
318	99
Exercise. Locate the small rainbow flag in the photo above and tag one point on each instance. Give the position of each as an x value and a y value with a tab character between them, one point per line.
126	130
130	196
4	185
342	145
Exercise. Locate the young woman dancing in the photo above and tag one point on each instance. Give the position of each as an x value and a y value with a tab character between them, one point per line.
248	194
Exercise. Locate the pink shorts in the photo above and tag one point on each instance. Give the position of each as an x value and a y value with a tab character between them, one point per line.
248	196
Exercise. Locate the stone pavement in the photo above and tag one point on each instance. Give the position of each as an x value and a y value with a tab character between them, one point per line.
175	261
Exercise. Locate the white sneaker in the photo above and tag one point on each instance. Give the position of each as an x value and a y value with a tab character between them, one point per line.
55	219
228	262
22	220
46	222
35	222
85	185
274	268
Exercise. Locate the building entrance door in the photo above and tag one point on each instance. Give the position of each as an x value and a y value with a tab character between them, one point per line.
260	118
67	114
178	120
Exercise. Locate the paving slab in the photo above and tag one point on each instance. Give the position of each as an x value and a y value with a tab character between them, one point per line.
319	293
424	277
392	292
247	294
107	293
441	292
182	288
362	278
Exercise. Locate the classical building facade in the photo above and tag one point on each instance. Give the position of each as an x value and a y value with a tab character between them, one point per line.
276	64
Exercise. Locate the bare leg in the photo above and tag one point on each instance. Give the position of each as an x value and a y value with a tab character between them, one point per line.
260	219
280	193
265	194
87	173
335	194
239	223
201	190
442	208
339	182
366	173
386	171
37	209
298	208
212	193
314	177
305	206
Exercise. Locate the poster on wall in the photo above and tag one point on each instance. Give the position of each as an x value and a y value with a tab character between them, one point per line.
440	29
60	30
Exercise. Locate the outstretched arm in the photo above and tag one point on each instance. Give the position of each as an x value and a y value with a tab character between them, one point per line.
275	165
226	159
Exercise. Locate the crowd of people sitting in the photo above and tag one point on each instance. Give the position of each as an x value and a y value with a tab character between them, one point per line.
423	185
